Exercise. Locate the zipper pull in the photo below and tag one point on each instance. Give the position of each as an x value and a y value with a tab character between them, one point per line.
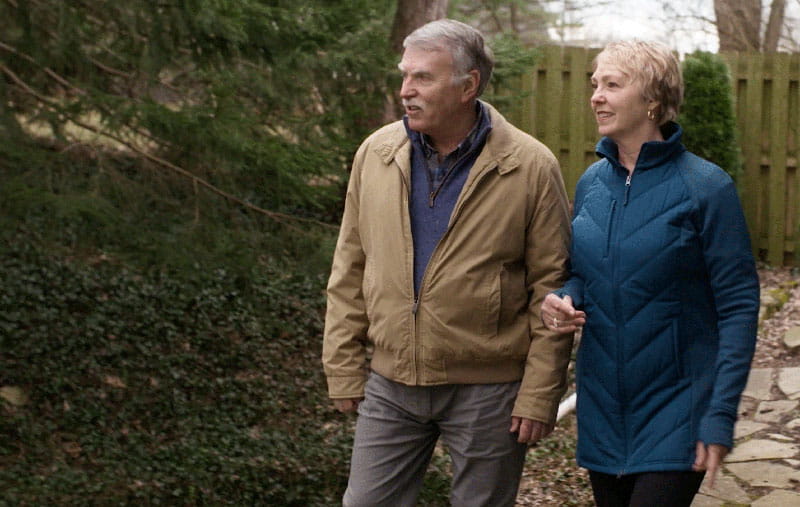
415	306
627	188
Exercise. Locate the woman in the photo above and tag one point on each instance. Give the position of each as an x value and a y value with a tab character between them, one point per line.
665	287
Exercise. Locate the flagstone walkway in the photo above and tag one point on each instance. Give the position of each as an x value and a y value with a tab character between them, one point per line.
763	470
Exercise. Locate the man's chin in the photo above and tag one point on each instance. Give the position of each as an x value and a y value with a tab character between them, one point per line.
417	125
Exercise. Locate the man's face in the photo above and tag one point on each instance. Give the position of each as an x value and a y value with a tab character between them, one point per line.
430	97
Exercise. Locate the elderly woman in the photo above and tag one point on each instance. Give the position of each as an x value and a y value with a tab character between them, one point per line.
664	286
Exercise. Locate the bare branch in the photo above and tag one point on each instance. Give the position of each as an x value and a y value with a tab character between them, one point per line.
772	34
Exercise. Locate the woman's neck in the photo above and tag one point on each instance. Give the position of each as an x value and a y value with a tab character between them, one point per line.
628	149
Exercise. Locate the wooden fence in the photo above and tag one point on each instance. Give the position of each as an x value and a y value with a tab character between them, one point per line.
767	96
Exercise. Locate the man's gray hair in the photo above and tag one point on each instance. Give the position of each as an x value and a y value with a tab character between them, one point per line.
464	43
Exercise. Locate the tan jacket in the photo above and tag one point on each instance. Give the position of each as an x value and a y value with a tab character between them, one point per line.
477	316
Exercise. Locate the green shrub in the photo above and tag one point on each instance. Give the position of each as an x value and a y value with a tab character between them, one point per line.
160	387
157	388
707	114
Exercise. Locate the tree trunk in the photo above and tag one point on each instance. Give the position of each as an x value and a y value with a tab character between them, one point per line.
738	24
412	14
774	25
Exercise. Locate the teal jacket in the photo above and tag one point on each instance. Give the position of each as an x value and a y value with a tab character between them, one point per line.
662	266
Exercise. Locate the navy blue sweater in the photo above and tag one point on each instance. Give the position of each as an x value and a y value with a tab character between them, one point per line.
431	207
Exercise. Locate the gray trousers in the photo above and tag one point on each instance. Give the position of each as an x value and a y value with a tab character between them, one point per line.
397	430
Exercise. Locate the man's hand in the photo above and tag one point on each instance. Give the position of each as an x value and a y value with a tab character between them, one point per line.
529	431
347	405
709	459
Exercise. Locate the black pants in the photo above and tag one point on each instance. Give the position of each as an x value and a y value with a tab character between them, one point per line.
651	489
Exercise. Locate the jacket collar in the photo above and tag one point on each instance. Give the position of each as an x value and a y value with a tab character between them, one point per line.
474	139
500	146
653	153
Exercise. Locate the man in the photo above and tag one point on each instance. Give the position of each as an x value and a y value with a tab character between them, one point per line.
455	227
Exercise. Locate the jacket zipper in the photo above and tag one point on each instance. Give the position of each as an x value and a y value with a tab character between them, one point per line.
415	307
415	303
434	189
620	337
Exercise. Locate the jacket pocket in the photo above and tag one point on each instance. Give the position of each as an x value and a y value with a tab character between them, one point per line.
609	224
513	299
368	286
676	347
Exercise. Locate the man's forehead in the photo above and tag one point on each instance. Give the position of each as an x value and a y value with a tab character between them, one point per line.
419	57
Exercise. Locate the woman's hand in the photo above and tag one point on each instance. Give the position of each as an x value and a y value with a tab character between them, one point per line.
559	315
709	458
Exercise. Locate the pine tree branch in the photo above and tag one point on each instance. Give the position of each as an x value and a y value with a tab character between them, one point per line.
64	82
109	70
277	216
46	70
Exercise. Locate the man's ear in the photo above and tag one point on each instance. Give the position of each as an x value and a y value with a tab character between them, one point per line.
470	86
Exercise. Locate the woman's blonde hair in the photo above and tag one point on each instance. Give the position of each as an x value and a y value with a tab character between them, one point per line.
655	67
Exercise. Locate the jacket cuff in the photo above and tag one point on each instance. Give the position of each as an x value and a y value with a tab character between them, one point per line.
536	409
717	428
346	387
572	290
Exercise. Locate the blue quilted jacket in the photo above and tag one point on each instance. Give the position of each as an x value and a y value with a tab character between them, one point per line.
662	265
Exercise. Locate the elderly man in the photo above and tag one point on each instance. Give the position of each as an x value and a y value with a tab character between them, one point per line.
455	227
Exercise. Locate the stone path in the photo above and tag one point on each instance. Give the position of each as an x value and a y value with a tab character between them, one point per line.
763	470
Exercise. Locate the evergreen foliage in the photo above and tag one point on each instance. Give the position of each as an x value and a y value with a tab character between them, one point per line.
166	336
255	97
154	388
170	179
707	115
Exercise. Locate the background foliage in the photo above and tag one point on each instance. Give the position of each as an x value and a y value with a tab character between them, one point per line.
255	97
707	115
171	177
169	185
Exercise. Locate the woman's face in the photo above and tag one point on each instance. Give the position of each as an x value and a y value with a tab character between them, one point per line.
619	106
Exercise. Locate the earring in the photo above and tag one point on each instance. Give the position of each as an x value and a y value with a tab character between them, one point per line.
651	114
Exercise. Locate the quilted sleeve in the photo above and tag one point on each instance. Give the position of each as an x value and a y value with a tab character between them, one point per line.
734	284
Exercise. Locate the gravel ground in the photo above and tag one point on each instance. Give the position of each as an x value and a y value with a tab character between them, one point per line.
770	351
552	478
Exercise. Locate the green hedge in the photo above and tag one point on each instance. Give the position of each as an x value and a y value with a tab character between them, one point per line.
163	389
707	115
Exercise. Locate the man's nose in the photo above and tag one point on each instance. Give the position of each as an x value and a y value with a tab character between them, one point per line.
406	89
